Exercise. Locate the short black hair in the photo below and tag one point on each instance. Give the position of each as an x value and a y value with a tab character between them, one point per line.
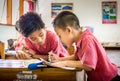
28	23
66	18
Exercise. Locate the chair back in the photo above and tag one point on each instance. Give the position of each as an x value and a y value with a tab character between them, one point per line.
2	53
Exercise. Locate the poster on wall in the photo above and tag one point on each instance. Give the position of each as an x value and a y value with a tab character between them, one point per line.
56	8
109	12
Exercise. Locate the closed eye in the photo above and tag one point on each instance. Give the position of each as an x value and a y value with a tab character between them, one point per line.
33	39
41	34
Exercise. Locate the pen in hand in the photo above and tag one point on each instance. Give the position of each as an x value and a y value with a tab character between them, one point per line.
45	62
50	56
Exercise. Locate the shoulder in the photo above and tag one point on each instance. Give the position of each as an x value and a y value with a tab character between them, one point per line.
25	40
51	35
86	40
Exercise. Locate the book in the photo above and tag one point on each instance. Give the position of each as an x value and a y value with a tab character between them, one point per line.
30	61
67	68
49	64
26	63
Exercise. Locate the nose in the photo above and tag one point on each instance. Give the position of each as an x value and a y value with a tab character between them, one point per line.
39	40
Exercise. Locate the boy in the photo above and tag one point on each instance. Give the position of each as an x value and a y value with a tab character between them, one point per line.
89	55
35	41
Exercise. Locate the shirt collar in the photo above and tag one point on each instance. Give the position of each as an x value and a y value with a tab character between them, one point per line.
87	31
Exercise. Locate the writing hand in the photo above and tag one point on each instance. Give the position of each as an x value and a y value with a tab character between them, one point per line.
53	57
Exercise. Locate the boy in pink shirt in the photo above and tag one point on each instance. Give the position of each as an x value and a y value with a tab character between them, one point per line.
35	41
89	55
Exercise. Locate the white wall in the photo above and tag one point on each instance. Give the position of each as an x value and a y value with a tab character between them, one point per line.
89	13
2	11
7	32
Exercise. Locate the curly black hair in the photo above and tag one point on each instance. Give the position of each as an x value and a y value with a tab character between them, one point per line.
28	23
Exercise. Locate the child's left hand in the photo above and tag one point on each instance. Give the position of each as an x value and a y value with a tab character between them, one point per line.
53	57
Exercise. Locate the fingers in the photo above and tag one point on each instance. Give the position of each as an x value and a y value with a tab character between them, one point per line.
22	55
25	49
50	56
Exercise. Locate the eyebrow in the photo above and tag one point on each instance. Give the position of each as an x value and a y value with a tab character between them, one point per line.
32	38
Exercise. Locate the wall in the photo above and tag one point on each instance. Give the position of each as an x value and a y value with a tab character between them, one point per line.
89	14
7	32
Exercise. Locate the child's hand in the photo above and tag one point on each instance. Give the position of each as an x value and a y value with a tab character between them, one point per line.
23	55
53	57
45	62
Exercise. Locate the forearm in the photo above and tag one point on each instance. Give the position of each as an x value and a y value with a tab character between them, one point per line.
72	57
77	64
35	56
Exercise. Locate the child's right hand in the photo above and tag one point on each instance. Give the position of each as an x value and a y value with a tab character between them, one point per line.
53	57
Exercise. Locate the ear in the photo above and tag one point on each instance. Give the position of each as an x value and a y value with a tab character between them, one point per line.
69	29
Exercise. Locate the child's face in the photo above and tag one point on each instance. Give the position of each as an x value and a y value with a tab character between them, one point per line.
38	37
65	36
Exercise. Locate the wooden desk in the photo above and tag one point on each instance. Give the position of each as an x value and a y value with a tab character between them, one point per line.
111	47
9	69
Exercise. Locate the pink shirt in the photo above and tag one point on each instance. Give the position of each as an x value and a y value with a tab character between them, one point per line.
91	53
51	44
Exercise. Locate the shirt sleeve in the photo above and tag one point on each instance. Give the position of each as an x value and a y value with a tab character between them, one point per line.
89	53
18	43
22	40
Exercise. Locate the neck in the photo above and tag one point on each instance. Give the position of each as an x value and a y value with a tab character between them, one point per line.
78	34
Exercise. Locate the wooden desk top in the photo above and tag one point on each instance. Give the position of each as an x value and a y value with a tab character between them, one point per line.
111	45
11	69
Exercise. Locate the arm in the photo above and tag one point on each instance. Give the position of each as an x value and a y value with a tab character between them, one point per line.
54	58
72	57
72	63
25	50
77	64
35	56
27	55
